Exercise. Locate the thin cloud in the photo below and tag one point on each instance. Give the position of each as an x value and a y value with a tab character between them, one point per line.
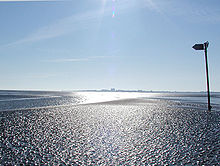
205	15
29	0
153	6
193	12
69	60
75	22
61	27
79	59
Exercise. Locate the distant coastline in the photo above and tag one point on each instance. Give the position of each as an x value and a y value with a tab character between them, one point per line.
104	90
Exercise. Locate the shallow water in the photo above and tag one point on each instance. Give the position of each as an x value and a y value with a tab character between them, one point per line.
17	100
126	132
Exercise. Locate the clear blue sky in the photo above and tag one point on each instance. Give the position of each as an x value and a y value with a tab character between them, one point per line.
147	44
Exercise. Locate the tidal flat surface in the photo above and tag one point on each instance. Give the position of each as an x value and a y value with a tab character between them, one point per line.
123	132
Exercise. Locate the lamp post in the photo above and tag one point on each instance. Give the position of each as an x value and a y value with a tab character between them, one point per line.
205	47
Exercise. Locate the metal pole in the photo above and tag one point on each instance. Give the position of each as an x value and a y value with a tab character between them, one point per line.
207	76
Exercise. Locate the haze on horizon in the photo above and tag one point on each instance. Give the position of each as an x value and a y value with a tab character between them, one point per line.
103	44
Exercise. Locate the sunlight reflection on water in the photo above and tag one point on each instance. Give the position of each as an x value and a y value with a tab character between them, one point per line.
14	100
123	132
106	134
95	97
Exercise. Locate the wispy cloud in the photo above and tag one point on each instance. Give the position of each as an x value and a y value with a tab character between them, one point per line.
152	5
69	60
192	11
61	27
79	59
77	21
29	0
203	15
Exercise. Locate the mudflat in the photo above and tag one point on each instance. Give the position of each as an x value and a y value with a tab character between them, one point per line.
123	132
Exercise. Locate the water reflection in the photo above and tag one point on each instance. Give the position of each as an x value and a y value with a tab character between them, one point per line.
94	97
14	100
115	133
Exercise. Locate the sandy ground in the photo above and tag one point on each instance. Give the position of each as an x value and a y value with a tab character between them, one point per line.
125	132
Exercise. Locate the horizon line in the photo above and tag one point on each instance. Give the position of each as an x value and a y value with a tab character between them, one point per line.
109	90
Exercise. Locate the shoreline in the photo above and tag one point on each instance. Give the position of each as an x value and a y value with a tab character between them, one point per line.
130	101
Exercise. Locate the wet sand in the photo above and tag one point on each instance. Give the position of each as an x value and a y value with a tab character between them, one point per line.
124	132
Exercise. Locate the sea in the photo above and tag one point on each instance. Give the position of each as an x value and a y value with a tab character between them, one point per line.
18	100
108	128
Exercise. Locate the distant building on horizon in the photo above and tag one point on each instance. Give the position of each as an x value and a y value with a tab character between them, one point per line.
112	90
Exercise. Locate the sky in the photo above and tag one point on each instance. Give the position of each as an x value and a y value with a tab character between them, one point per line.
102	44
